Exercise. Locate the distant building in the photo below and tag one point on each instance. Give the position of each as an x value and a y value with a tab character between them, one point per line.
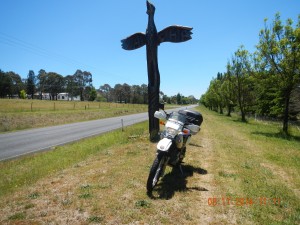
67	97
46	96
59	96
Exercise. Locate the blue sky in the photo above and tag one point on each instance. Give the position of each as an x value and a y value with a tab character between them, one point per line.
65	35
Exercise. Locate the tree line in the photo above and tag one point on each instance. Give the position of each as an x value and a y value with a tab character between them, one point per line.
34	86
78	84
138	94
266	82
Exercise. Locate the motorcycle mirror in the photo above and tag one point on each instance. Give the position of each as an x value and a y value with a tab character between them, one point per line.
160	115
193	128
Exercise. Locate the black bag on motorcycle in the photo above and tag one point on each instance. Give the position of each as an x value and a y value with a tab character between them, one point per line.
192	116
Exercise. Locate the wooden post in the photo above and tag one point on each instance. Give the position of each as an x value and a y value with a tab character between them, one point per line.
152	39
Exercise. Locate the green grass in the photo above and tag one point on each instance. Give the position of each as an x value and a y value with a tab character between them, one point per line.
29	105
264	165
102	179
16	114
17	173
19	114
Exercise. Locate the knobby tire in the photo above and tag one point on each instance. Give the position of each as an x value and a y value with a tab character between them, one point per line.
155	172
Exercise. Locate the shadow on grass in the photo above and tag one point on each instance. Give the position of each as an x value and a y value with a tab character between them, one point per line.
239	120
175	181
278	135
196	145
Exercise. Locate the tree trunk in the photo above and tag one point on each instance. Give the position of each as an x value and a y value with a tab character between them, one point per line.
286	112
229	110
243	116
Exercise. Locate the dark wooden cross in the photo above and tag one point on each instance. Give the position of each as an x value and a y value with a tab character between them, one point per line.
152	39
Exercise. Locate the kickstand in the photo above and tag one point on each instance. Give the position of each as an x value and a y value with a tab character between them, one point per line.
180	167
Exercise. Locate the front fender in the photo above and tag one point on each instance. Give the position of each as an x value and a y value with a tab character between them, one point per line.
164	144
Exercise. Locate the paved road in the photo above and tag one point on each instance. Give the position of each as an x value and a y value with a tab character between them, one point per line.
19	143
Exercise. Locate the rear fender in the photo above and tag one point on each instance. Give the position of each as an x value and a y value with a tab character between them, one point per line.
164	145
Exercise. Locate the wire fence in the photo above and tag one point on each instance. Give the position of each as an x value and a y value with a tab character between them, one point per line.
21	105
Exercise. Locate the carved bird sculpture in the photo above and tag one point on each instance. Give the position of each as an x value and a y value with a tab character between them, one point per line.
152	40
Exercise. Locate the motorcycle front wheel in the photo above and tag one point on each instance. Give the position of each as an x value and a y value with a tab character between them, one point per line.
156	171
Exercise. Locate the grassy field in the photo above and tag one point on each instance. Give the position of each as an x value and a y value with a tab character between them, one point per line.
234	173
18	114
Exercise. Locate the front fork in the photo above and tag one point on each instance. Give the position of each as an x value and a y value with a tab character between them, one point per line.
165	163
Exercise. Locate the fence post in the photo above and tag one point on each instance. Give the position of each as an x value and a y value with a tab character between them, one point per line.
122	125
31	106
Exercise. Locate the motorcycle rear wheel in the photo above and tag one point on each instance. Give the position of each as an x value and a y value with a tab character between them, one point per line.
156	171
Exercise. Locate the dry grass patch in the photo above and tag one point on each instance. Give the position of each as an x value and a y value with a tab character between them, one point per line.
227	164
24	114
109	188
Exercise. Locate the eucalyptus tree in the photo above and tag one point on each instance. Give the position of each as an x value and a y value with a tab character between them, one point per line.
126	92
83	79
279	46
54	84
71	86
15	84
136	94
107	91
118	93
144	89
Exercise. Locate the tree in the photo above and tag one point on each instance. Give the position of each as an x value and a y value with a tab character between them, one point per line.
106	90
136	94
4	84
210	99
228	93
295	102
118	93
144	89
71	87
178	99
22	94
10	84
16	84
54	84
42	77
240	69
92	94
217	92
126	92
279	46
82	79
31	83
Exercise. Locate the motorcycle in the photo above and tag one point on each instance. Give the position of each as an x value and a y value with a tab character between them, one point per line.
179	127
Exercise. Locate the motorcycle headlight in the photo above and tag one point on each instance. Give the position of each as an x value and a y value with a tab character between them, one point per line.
171	131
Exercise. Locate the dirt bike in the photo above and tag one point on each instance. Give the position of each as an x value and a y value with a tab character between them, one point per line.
179	127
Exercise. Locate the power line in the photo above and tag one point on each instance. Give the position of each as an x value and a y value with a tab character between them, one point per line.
18	43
